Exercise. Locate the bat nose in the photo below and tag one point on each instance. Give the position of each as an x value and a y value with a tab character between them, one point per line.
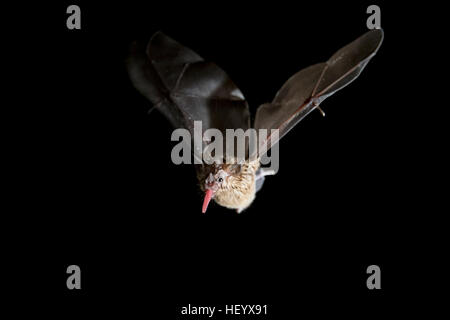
209	183
210	186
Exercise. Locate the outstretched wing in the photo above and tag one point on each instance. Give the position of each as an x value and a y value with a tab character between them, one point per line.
185	88
305	90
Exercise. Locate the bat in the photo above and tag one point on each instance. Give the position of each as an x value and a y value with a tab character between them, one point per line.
186	88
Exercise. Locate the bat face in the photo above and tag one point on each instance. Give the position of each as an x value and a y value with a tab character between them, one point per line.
187	89
230	185
219	179
213	183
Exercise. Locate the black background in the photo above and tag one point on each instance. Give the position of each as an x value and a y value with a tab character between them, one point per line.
106	196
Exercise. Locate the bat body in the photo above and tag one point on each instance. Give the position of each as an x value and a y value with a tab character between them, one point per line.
185	88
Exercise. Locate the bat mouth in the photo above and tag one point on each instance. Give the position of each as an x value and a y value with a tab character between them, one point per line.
208	195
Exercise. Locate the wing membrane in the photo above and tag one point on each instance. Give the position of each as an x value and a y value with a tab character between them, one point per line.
305	90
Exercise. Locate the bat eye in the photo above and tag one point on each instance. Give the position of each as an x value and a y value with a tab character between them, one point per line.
220	180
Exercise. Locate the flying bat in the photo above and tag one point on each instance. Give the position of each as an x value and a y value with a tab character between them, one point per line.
186	88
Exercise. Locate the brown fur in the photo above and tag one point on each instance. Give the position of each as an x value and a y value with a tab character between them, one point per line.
238	191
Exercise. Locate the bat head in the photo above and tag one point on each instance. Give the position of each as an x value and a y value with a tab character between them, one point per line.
231	185
213	182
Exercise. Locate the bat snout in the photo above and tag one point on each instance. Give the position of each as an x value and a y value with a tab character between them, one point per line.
213	186
211	183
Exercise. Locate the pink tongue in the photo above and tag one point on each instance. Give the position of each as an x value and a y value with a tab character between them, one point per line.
208	195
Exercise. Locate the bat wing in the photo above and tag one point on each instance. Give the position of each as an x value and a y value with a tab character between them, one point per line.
185	88
305	90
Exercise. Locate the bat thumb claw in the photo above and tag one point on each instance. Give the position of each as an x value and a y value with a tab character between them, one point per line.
321	111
